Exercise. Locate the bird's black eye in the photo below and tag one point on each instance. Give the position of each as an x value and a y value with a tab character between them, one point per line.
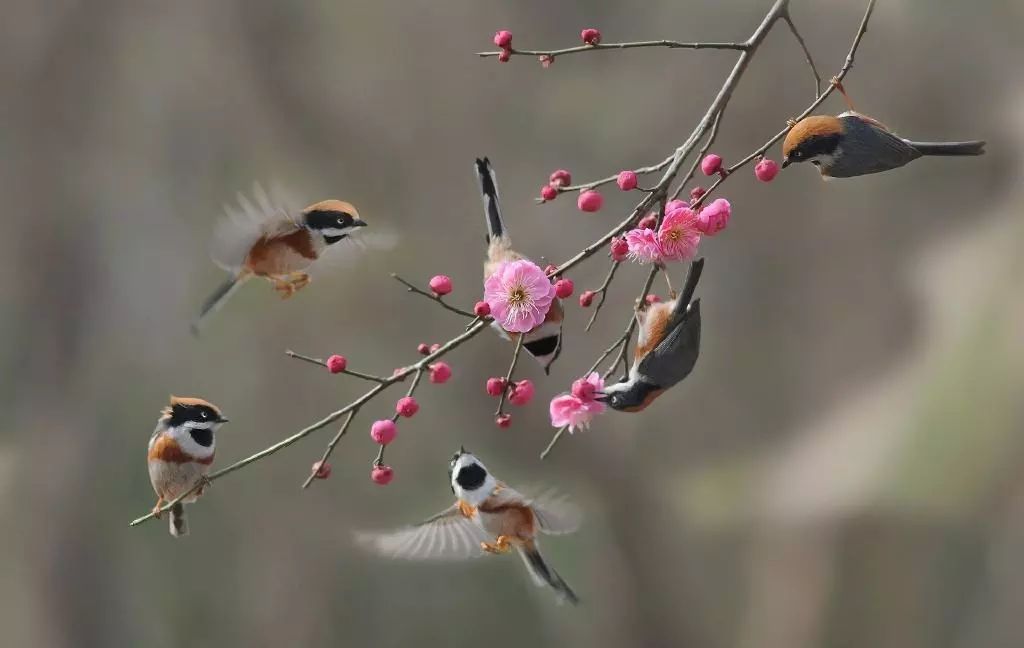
623	379
206	415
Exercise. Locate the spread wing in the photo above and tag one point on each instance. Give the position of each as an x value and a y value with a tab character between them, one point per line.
555	514
353	250
449	535
674	357
250	220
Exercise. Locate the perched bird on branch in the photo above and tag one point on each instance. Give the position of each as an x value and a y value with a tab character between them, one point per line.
852	144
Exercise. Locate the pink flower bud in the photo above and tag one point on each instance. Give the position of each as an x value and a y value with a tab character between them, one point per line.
434	347
711	164
619	249
590	36
627	180
522	393
650	221
382	475
321	470
583	389
503	39
586	298
407	406
383	431
440	372
482	309
715	217
590	201
550	268
673	205
422	349
504	56
766	170
441	285
336	364
495	386
504	421
652	299
560	178
563	288
697	193
546	60
547	192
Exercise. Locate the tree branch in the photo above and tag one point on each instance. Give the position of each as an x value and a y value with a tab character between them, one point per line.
620	46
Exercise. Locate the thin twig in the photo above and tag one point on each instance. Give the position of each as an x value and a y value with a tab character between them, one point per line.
508	374
603	291
434	297
554	440
807	53
697	158
321	362
394	418
621	46
330	448
603	181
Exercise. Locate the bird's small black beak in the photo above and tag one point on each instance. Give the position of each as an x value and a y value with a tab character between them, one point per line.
358	223
462	450
785	162
222	419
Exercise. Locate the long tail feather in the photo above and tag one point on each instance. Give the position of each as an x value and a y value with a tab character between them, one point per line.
976	147
543	574
489	192
692	277
216	300
178	523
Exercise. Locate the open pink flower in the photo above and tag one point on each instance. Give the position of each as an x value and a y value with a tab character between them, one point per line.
643	246
578	408
519	294
679	235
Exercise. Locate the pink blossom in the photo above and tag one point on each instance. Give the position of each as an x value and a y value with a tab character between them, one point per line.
383	431
715	217
643	246
441	284
503	39
697	192
547	192
382	475
422	348
321	470
766	170
505	55
578	408
482	309
495	386
586	298
522	393
560	178
627	180
619	249
519	294
679	236
440	372
673	205
590	201
650	221
504	421
590	36
336	364
546	60
711	164
407	406
563	288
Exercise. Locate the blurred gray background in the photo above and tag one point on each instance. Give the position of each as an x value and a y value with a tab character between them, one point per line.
842	469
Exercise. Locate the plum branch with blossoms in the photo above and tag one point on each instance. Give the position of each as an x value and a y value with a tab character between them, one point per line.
670	233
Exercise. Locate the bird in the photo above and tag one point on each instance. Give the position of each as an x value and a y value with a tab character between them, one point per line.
181	453
852	144
488	517
667	346
278	243
543	342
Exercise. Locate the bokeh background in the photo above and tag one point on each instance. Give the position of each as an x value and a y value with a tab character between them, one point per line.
842	469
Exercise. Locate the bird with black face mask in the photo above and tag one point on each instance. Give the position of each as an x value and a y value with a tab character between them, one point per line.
488	516
852	144
181	453
667	346
543	342
278	243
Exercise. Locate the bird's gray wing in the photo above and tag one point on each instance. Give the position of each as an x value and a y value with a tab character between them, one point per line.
873	148
449	535
674	357
555	514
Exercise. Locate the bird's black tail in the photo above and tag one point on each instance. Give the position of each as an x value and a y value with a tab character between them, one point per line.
216	300
976	147
489	193
178	523
692	277
544	575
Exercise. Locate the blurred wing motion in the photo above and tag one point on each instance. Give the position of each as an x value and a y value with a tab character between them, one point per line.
352	250
449	535
555	514
265	216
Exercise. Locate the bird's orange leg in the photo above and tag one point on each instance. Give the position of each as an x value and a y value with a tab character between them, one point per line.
838	85
299	280
501	545
156	508
282	285
203	483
